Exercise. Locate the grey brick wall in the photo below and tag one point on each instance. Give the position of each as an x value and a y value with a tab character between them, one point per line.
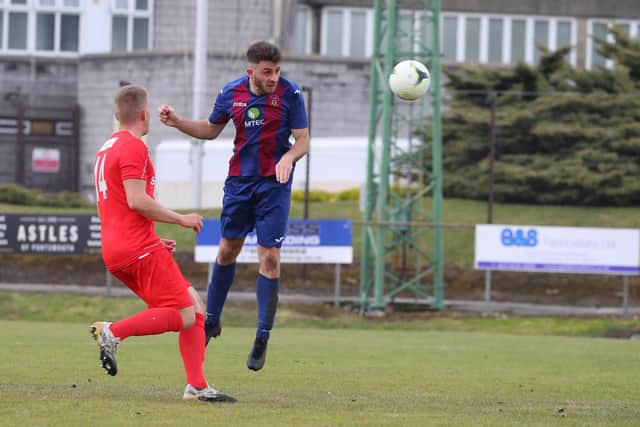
174	24
46	82
235	24
167	77
232	24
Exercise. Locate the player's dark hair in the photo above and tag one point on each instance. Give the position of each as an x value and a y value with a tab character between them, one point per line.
263	51
129	101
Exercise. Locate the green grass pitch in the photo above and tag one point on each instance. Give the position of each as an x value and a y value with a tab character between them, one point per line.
49	375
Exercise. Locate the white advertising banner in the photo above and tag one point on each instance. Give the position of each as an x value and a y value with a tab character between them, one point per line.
614	251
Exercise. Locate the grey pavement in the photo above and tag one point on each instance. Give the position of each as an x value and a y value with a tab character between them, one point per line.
456	305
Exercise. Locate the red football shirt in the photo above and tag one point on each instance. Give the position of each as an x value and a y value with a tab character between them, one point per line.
126	235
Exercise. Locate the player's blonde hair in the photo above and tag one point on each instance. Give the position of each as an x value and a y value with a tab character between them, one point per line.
129	101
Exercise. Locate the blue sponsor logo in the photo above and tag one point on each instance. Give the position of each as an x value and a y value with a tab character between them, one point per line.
518	237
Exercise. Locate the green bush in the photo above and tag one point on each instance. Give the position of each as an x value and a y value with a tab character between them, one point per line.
326	196
18	195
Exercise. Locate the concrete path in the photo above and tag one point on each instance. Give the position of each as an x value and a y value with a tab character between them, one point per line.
456	305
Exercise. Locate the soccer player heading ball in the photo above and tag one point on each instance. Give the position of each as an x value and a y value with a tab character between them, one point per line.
266	109
124	180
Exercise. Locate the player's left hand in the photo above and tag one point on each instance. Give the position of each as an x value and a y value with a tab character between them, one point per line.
170	245
283	169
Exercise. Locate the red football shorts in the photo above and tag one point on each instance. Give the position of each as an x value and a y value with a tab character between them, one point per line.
157	279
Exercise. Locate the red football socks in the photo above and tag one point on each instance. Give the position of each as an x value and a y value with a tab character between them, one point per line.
151	321
191	343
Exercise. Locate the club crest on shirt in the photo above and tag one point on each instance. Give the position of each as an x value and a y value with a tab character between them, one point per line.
274	100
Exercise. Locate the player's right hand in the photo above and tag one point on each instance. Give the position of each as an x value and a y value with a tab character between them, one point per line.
192	220
168	115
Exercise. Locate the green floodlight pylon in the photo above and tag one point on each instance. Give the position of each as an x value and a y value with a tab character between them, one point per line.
402	242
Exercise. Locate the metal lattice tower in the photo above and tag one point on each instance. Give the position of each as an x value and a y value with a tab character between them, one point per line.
402	245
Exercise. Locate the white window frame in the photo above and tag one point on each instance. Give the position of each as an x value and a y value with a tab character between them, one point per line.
461	19
633	33
32	8
483	47
346	29
131	13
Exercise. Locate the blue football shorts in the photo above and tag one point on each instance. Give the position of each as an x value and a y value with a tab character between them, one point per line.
256	202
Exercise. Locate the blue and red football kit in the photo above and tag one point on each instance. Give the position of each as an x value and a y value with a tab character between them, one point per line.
252	196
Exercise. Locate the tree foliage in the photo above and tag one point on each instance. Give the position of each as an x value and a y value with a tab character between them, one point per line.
563	135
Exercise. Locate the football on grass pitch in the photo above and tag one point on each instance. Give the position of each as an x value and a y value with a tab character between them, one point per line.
409	80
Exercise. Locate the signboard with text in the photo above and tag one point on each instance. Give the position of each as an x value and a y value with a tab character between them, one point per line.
45	160
49	234
320	241
614	251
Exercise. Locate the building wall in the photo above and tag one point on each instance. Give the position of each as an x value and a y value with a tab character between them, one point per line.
232	24
576	8
42	81
174	24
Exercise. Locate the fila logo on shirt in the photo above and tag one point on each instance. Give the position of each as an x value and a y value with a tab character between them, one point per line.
254	115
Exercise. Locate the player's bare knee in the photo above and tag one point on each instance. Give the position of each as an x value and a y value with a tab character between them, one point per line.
226	256
270	265
188	317
229	250
198	304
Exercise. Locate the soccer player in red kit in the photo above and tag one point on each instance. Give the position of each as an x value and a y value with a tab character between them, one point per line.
124	180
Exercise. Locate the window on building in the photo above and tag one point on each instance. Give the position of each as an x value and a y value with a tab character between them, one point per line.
496	30
45	31
302	30
518	40
346	31
17	34
69	36
472	39
599	30
540	38
334	32
563	37
40	26
140	33
426	32
625	27
130	25
358	39
450	38
406	32
119	34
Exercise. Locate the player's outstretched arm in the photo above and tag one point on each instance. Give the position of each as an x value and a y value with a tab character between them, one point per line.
139	201
299	149
200	129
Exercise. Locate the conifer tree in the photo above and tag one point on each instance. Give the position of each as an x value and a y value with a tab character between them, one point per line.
563	136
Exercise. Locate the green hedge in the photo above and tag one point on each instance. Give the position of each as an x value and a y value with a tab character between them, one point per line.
18	195
352	194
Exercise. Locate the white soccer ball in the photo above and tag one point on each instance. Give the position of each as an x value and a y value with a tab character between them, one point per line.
409	80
